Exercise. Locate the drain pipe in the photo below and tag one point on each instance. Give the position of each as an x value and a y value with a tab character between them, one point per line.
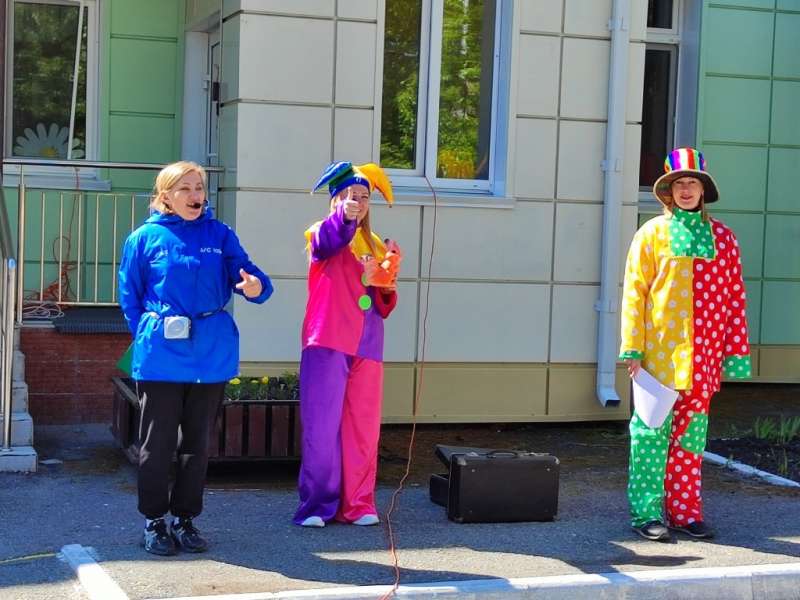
613	190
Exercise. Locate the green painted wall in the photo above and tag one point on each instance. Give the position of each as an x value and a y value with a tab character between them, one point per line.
141	85
749	130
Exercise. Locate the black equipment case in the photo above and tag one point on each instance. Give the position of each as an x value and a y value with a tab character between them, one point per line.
496	486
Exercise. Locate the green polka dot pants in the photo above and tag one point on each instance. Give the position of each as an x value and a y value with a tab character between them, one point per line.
649	446
665	465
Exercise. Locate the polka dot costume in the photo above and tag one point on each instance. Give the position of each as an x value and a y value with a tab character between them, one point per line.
683	315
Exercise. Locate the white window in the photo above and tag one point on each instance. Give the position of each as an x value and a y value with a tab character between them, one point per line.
51	102
439	113
670	86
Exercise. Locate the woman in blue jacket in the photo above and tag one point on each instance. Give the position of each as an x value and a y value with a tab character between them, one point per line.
176	275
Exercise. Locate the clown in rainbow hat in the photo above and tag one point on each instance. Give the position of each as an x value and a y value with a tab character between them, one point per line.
352	280
683	321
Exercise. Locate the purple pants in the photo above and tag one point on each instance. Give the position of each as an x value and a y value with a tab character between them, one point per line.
340	408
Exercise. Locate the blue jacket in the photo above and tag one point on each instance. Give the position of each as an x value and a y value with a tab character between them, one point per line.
173	267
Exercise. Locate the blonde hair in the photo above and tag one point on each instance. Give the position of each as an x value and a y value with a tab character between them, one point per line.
168	178
364	222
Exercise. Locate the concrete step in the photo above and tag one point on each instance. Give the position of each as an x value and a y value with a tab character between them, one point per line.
18	459
21	429
19	397
18	366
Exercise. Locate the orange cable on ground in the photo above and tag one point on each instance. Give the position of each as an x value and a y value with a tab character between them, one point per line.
418	395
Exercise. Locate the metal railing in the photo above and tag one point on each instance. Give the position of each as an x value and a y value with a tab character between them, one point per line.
83	273
8	280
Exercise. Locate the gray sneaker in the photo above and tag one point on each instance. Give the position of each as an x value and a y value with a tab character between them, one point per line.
186	536
156	539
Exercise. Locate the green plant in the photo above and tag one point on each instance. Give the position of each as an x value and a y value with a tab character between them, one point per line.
764	429
780	432
783	465
788	430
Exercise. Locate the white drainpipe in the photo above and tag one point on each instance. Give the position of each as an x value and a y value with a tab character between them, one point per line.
613	190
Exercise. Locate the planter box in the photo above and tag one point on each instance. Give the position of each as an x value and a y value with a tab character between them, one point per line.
243	429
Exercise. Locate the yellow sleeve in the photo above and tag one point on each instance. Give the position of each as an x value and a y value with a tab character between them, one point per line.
640	272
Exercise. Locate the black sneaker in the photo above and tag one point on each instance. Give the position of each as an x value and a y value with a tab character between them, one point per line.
655	531
698	530
186	535
156	539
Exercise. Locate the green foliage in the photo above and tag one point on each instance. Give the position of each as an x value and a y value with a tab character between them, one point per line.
44	57
764	429
780	432
465	87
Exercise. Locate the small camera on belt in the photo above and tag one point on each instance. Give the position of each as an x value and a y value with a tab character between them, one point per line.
177	328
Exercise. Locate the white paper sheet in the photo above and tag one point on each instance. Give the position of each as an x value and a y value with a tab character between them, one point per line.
652	399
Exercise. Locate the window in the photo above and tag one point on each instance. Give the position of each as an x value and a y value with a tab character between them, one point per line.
440	98
658	109
660	84
51	107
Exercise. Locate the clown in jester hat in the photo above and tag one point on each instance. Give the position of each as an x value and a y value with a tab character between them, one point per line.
351	289
683	320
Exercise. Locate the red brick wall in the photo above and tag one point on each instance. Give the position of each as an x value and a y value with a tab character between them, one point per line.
69	376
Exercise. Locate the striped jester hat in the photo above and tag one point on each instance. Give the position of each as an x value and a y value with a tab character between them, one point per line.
341	175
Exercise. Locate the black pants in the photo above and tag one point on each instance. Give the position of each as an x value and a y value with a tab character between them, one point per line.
166	406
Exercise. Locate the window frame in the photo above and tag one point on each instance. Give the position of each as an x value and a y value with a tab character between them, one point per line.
55	176
428	96
675	39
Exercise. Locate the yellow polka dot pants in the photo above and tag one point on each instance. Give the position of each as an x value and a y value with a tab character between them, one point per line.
665	463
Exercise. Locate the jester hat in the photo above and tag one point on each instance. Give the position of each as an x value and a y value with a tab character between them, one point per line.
341	175
685	162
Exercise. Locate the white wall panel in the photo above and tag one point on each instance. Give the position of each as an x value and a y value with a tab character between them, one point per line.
271	331
492	244
355	63
584	79
358	9
322	8
353	135
535	158
271	226
587	17
581	150
229	84
285	59
633	102
577	245
487	322
630	168
282	146
400	328
574	331
229	143
540	15
539	59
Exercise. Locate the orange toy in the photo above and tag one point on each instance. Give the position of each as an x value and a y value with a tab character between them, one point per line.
384	274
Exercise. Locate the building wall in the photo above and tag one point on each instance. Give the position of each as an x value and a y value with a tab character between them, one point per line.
141	85
511	328
749	129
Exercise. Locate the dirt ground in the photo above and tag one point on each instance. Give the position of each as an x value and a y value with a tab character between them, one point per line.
594	446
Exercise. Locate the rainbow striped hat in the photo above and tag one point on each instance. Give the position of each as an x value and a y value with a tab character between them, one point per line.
685	162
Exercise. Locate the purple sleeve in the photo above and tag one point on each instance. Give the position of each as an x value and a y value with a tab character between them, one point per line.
333	234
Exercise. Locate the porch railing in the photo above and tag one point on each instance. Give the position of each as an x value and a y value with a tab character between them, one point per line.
77	235
8	281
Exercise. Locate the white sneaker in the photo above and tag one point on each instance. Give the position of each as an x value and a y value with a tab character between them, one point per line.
313	522
367	520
